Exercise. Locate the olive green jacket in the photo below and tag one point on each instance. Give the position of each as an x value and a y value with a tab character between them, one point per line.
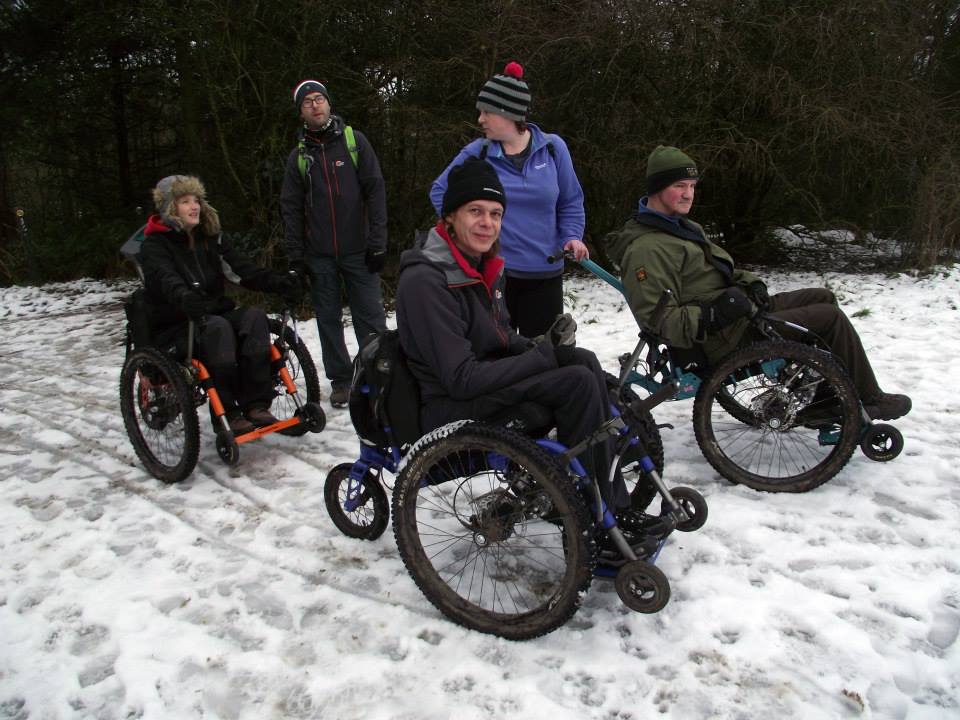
696	271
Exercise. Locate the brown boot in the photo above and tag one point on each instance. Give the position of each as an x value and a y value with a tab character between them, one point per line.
239	425
260	415
887	406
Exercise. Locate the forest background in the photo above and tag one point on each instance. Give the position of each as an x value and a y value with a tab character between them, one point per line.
824	114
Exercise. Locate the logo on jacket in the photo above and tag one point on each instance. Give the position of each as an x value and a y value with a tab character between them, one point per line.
641	274
540	166
338	163
498	293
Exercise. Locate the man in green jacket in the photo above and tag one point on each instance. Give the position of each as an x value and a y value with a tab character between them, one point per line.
659	248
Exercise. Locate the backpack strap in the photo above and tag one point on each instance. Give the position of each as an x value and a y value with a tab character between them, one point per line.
303	159
351	144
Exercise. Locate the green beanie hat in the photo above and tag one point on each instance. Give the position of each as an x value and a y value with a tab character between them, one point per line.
666	165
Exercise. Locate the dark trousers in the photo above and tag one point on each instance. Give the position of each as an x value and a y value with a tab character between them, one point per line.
235	348
366	307
577	397
816	309
533	303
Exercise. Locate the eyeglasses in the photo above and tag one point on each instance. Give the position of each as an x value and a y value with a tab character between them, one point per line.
317	100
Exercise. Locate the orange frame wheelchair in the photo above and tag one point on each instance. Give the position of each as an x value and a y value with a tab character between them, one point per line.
161	391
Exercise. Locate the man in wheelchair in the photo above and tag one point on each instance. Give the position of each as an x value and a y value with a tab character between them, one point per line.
455	331
185	262
659	249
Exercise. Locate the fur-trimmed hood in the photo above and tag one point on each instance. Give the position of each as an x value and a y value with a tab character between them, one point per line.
165	196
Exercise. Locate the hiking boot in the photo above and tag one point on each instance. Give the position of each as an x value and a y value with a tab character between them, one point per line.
239	425
260	415
340	396
820	414
887	406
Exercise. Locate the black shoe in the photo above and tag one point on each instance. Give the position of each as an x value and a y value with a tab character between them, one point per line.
820	414
239	425
260	415
339	397
887	406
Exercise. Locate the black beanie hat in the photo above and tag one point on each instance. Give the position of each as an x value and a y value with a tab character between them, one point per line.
474	179
666	165
309	86
506	94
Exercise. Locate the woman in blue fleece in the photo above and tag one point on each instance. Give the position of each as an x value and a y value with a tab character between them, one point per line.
546	201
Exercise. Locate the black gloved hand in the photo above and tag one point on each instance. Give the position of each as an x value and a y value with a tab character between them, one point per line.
193	304
757	292
303	273
563	331
220	305
288	286
563	336
375	260
727	308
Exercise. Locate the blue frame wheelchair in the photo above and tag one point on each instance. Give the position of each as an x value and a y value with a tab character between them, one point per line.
499	524
777	415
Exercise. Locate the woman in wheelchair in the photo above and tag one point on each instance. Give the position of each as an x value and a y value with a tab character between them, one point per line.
455	331
185	262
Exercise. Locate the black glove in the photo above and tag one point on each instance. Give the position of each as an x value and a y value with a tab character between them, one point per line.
375	260
288	286
757	292
563	336
220	305
193	304
730	306
303	273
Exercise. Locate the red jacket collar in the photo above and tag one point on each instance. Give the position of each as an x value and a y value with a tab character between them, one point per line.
156	225
491	268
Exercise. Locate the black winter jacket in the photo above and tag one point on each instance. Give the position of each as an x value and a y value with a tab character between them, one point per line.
454	326
171	267
335	208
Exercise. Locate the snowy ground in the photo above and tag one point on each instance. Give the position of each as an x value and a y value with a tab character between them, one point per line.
232	595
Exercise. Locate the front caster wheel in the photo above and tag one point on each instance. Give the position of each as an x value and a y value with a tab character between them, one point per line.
693	505
358	509
227	449
313	417
642	587
881	442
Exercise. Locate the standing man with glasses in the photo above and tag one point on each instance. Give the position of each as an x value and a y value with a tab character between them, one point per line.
334	208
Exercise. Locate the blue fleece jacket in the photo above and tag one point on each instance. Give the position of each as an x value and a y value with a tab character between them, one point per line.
544	203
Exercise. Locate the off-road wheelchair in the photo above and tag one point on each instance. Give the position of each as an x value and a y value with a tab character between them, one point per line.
777	415
162	387
497	522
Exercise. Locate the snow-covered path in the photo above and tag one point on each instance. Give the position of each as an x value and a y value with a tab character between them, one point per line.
232	595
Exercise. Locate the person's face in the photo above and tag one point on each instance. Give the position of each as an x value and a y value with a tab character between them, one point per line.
188	211
497	127
675	199
315	110
476	226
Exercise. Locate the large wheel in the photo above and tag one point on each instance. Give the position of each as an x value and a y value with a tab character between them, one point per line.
804	417
492	531
159	414
642	491
302	371
371	511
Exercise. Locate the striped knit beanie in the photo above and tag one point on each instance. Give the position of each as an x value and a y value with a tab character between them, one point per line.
309	86
506	94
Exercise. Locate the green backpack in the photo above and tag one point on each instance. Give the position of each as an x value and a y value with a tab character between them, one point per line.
351	148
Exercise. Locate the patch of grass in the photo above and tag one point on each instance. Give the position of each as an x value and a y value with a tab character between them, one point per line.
862	313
